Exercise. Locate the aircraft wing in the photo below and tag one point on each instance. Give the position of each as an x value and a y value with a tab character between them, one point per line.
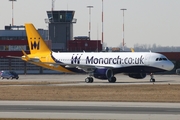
86	68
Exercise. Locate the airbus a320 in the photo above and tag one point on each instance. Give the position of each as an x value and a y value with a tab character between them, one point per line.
100	65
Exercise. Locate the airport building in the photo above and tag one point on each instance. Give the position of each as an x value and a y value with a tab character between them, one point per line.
61	34
59	37
12	40
60	28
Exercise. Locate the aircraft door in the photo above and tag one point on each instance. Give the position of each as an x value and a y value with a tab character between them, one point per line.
147	59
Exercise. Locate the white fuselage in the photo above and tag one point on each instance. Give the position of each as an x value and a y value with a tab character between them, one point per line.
115	59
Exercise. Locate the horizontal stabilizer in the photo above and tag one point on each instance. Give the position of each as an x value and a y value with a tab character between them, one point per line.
25	57
14	57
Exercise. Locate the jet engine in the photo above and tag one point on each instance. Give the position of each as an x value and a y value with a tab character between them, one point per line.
103	73
137	75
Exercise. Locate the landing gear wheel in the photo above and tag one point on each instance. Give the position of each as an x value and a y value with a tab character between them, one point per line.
89	80
152	80
112	79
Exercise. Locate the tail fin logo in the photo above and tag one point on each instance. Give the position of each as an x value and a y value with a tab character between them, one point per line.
35	45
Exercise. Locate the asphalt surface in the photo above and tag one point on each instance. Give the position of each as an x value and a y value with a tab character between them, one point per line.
89	110
92	110
80	79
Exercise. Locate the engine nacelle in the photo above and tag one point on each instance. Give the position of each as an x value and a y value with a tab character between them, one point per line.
137	75
103	73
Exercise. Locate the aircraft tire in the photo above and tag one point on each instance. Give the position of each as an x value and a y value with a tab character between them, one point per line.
87	80
112	79
152	80
91	79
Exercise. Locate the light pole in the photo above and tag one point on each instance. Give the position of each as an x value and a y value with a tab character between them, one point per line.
53	1
12	12
89	20
102	24
123	27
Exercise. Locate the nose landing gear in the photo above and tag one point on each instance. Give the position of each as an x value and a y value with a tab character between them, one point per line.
152	79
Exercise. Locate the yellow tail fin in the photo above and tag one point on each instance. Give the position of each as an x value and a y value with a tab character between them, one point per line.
35	41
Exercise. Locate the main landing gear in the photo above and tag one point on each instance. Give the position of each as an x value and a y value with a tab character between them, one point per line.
112	79
152	79
89	80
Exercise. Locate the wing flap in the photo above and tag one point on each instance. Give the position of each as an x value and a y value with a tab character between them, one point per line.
86	68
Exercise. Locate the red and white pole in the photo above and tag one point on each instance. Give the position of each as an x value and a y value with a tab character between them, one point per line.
123	29
12	11
89	20
102	24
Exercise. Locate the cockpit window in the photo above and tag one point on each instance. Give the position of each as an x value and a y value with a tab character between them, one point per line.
164	58
160	59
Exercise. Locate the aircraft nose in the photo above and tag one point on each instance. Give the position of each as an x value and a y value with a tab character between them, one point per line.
170	66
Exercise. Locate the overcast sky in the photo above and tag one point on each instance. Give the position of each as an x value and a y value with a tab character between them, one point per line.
146	21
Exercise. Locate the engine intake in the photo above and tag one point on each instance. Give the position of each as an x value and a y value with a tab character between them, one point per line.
103	73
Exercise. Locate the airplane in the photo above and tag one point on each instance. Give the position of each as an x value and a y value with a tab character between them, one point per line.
100	65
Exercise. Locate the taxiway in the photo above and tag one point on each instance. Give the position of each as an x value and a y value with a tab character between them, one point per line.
89	110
